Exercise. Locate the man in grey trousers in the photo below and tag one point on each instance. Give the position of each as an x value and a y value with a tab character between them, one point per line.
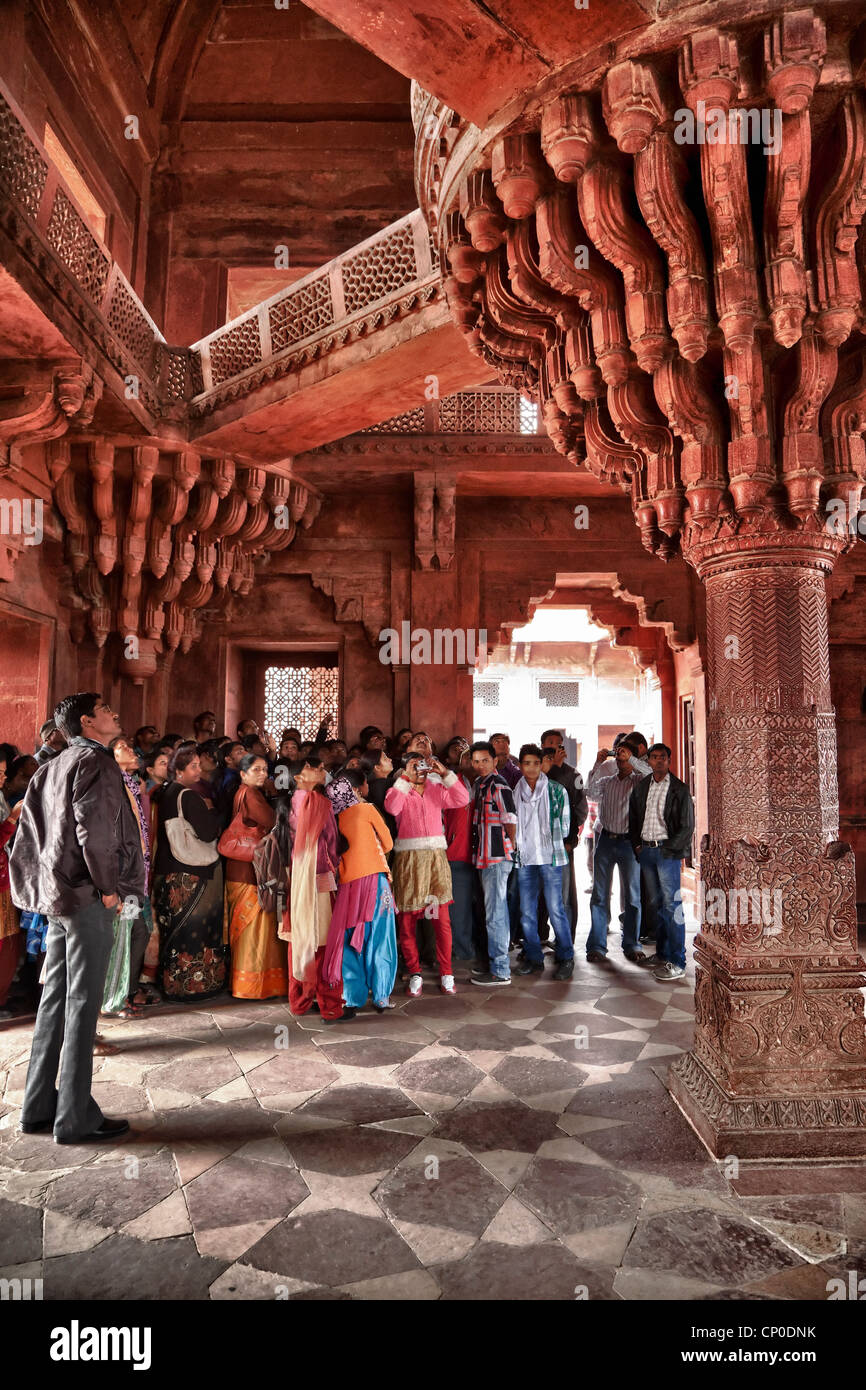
77	855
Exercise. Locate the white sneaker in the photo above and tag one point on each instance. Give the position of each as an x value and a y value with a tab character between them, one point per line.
415	986
668	971
446	984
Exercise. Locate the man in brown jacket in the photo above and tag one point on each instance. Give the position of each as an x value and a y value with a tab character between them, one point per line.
77	855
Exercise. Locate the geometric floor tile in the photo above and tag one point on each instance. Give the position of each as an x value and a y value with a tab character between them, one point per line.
516	1144
332	1248
128	1269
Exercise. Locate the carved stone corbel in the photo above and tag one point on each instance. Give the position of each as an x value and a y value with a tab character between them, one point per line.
101	460
693	415
710	74
794	49
843	426
425	541
446	519
482	212
621	239
46	412
638	118
840	209
70	503
784	200
171	509
802	451
519	173
570	263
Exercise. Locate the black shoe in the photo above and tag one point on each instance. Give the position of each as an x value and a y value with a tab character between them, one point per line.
636	957
109	1129
345	1017
530	967
647	940
488	980
39	1127
596	958
564	970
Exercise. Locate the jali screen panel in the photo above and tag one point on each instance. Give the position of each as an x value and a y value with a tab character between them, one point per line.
300	697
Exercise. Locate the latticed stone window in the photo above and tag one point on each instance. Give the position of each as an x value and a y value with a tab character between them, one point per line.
559	694
300	697
480	412
301	313
380	269
528	416
486	693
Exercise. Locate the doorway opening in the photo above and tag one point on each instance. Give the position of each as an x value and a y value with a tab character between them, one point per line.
562	671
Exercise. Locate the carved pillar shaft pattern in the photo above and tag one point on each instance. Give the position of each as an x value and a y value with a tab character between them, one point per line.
780	1047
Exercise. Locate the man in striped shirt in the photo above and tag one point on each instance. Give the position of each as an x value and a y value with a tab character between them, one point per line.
611	786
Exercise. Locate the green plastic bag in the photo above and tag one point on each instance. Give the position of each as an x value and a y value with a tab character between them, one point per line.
117	980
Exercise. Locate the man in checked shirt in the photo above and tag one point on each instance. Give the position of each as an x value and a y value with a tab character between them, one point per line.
611	786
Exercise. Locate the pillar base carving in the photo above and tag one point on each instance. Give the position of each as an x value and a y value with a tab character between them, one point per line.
832	1125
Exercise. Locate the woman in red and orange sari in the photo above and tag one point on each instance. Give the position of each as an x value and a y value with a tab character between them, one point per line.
259	968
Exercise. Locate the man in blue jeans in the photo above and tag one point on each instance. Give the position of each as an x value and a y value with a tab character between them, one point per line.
77	854
661	818
493	830
542	829
611	784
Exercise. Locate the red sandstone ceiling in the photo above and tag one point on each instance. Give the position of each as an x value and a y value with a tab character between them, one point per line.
476	55
287	130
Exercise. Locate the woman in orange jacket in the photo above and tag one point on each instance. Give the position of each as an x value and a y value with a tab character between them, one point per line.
362	941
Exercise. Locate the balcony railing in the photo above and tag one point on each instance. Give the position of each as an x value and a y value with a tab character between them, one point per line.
40	213
389	274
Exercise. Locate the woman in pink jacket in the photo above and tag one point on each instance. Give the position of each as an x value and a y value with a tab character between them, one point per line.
422	874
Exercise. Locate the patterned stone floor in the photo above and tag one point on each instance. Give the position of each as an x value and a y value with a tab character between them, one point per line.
513	1144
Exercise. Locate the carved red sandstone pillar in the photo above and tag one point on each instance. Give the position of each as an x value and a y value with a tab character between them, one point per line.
735	438
778	1067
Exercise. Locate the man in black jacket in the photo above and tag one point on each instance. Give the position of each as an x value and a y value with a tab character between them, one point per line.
77	855
661	821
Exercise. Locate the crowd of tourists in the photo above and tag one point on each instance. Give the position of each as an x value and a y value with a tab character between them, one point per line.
151	868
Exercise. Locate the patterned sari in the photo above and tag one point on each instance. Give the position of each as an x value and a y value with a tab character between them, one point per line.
259	959
189	914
